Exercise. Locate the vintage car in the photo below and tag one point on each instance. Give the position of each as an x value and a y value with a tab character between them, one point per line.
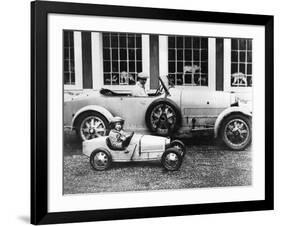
168	111
141	148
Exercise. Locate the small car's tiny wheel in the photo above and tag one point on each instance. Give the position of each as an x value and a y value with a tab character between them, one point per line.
100	159
172	159
163	118
236	132
91	125
179	145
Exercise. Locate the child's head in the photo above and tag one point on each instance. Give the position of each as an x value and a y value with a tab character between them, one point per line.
118	126
117	123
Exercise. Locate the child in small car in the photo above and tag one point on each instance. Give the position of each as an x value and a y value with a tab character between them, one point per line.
118	138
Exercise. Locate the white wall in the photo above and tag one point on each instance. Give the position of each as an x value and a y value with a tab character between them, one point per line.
15	113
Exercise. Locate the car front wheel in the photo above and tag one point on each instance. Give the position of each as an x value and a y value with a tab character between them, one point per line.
236	132
172	159
100	160
91	125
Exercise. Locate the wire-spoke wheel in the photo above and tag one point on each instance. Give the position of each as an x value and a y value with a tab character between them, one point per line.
163	118
100	160
92	125
171	159
236	132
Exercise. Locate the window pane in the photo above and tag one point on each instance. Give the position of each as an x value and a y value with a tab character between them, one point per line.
138	41
179	54
106	66
249	69
132	67
66	78
114	54
197	79
172	55
179	80
115	66
242	56
123	54
234	68
242	68
131	41
106	54
242	44
188	55
204	68
188	78
123	66
234	56
122	41
204	55
179	42
234	44
196	55
196	43
131	54
172	42
139	66
115	79
249	56
107	79
204	43
172	67
249	80
139	54
187	42
249	44
132	78
105	40
114	41
179	66
204	80
171	79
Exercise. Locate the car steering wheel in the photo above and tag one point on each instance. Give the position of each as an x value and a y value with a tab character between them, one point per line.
159	90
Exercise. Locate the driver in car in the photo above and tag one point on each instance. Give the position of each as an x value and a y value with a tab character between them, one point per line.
118	138
139	89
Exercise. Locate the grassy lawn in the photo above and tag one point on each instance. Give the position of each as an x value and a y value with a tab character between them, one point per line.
205	165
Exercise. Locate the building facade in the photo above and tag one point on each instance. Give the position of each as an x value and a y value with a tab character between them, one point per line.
95	60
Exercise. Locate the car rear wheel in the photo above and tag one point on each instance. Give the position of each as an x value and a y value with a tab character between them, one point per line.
91	125
172	159
236	132
163	118
100	160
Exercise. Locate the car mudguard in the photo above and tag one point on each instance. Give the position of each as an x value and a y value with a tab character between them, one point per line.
231	110
95	108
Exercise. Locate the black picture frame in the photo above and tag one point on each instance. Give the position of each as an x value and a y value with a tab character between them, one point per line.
39	112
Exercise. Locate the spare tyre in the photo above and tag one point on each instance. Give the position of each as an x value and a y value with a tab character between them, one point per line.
163	117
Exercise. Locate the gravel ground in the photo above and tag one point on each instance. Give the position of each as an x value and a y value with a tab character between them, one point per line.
205	165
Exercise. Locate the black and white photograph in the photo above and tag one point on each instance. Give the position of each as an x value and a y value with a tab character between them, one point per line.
146	111
149	112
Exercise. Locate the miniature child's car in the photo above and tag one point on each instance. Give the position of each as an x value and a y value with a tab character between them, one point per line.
141	148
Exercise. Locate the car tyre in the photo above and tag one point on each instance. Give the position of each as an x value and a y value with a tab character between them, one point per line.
236	132
91	125
172	159
179	145
100	159
163	118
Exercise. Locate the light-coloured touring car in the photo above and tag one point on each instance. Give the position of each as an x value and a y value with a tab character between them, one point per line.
167	112
141	148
